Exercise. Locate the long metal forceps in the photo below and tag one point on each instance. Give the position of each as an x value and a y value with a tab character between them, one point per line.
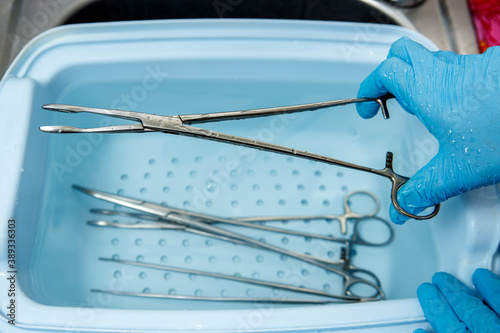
342	218
350	275
246	222
177	125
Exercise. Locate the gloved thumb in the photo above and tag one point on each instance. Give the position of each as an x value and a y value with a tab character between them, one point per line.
410	51
392	75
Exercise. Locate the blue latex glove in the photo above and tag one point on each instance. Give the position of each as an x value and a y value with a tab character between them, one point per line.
458	99
450	306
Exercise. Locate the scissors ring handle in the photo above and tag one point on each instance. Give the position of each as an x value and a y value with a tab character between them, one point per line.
351	280
357	236
371	195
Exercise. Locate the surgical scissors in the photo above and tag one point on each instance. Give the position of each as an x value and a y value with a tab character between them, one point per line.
349	275
246	222
177	125
348	213
346	252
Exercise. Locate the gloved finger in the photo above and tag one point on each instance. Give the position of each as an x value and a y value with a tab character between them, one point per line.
468	307
409	51
392	75
423	190
446	55
397	217
420	330
488	285
437	310
439	180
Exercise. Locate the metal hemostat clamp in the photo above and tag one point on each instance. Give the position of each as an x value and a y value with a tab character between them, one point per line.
169	218
348	214
178	125
326	297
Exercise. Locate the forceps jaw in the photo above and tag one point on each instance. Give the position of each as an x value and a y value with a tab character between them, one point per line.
133	128
130	115
145	122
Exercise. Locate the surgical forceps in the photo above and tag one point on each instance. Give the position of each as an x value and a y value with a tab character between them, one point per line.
177	125
330	298
342	268
162	223
245	222
348	214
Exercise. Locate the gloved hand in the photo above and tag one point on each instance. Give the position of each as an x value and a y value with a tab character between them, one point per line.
450	306
457	98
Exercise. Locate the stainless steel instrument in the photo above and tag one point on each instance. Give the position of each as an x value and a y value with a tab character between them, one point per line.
178	125
177	219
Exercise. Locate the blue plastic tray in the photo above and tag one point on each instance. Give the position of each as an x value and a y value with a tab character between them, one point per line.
191	66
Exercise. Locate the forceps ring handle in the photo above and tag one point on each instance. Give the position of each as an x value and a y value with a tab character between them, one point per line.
353	280
397	182
350	213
